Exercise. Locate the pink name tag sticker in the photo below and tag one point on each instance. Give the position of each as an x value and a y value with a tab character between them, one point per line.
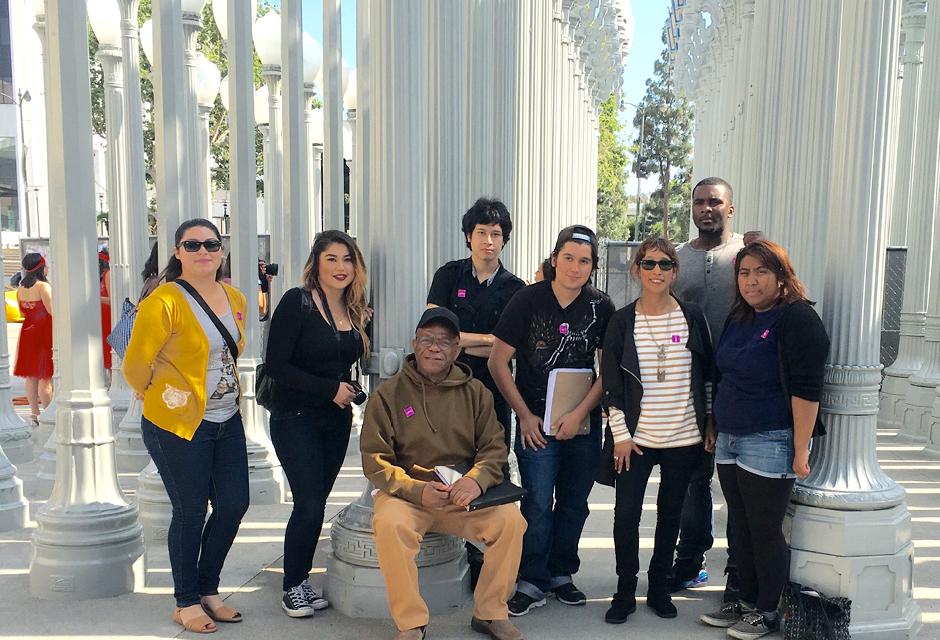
765	334
409	411
676	338
238	314
563	328
461	293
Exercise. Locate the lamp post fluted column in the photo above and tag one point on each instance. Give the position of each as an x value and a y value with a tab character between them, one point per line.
907	394
265	479
14	509
314	153
192	25
129	239
850	527
88	543
273	178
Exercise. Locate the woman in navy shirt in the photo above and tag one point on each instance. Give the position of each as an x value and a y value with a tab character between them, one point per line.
771	360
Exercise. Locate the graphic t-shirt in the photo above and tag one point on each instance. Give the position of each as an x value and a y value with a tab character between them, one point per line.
548	337
222	374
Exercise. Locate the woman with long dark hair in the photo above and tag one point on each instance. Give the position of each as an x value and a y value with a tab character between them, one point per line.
317	332
181	361
657	366
34	349
771	359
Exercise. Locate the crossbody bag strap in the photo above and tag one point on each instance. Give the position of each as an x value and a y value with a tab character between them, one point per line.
226	336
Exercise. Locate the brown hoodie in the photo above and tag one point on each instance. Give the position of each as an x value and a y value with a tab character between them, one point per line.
412	425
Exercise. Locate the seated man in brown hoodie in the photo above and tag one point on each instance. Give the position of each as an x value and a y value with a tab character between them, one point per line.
431	413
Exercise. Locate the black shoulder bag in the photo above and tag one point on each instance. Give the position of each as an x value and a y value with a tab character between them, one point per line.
226	336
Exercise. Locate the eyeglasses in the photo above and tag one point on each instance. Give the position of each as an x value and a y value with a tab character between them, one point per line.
664	265
444	344
192	246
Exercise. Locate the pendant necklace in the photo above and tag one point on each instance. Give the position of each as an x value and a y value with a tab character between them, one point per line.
660	348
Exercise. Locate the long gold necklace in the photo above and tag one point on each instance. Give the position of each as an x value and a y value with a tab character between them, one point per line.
660	348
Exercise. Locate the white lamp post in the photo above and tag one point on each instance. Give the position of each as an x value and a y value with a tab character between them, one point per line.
315	138
220	13
350	97
208	80
267	39
313	63
192	25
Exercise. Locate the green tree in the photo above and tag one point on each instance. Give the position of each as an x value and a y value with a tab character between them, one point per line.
666	144
210	43
611	176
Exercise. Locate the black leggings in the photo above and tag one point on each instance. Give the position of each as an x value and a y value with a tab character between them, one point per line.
311	446
756	507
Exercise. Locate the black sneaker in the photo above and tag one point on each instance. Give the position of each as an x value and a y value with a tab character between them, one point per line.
754	625
520	604
570	595
294	603
728	615
620	609
314	596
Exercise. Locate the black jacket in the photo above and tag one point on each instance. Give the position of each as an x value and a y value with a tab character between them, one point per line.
620	368
802	350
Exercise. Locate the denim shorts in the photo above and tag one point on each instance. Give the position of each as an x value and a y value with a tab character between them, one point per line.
764	453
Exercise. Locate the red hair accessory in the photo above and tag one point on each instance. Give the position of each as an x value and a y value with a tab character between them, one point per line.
39	265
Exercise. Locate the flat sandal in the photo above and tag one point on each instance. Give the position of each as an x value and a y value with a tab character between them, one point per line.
221	614
200	623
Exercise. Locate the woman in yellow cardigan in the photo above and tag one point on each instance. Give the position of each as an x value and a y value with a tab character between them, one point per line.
180	362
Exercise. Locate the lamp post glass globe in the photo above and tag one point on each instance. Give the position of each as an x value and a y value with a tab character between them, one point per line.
223	91
192	6
350	95
267	37
220	14
105	19
146	39
261	105
313	58
208	79
39	8
316	126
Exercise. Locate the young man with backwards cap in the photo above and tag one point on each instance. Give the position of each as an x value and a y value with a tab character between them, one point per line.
433	412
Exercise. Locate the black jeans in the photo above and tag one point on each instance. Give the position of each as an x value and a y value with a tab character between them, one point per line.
213	466
311	445
675	468
756	507
696	530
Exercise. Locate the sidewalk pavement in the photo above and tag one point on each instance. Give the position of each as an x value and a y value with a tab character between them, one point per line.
252	576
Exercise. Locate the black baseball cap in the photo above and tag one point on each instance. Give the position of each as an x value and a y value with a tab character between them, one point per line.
439	315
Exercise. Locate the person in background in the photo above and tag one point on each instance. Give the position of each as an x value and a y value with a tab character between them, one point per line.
104	285
657	369
554	324
318	331
150	273
477	289
181	361
706	267
771	361
34	349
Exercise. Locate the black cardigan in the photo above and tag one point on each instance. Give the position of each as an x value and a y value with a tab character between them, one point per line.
802	350
620	369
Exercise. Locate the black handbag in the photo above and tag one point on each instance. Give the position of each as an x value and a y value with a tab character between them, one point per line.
811	615
264	388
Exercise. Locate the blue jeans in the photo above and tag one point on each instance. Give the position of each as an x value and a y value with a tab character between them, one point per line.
212	466
764	453
559	479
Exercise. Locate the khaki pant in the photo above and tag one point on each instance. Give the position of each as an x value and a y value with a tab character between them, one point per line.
400	526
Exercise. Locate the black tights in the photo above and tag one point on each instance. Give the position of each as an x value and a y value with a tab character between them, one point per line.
756	507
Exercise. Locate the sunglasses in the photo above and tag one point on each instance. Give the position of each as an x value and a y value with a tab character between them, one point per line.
664	265
192	246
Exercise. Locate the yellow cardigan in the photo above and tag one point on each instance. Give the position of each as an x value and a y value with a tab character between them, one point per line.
167	359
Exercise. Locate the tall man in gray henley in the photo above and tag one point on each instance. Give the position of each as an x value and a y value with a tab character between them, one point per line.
706	278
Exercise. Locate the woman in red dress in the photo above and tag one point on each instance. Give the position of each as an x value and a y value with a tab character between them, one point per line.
34	350
104	270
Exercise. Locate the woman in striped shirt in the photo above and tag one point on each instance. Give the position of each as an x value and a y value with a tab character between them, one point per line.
657	369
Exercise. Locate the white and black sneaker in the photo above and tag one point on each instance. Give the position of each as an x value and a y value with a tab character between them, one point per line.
294	603
754	625
314	596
